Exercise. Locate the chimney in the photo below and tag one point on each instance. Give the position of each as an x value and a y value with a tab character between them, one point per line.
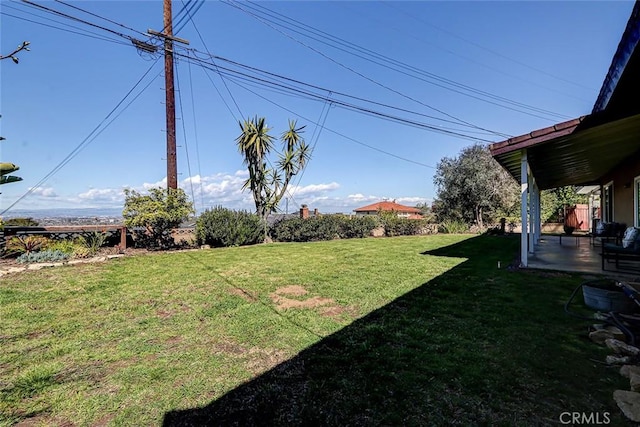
304	212
315	212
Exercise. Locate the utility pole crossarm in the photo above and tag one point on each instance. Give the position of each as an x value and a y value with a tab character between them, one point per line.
165	36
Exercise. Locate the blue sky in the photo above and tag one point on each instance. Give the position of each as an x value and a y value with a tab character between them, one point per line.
454	61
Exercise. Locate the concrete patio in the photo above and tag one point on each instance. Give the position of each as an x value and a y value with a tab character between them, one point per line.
576	254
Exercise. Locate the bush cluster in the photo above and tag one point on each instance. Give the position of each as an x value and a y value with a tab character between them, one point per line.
43	249
74	248
225	227
395	226
325	227
453	227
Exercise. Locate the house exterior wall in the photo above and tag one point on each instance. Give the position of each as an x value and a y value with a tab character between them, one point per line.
623	189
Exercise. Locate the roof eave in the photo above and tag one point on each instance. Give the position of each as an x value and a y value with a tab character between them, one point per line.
628	42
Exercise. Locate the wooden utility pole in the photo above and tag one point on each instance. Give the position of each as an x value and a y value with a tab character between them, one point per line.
170	97
172	165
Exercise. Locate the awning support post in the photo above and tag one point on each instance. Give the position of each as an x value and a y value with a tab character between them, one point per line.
524	199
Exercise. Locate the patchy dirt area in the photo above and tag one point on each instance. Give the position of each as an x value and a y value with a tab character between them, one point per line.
338	312
293	290
283	302
285	298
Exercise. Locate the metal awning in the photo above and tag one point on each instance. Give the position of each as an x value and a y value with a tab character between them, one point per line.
577	152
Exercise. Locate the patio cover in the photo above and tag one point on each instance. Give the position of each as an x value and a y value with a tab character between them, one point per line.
580	151
576	152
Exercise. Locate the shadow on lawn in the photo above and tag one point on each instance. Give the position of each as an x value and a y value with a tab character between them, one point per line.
473	346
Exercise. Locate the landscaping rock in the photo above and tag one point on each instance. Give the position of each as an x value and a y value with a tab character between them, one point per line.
617	333
618	360
377	232
621	348
634	382
627	370
629	403
600	336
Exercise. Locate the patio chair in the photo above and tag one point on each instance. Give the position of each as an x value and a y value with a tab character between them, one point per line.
628	250
607	232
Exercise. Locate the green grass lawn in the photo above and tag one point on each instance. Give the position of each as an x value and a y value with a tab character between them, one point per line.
393	331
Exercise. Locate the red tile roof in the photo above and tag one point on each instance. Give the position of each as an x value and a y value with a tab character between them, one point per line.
388	206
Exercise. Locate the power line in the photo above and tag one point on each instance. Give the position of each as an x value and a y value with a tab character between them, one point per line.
305	30
184	133
360	74
195	131
327	107
466	58
101	17
388	4
358	108
443	81
189	13
73	18
85	33
187	9
323	89
90	137
211	56
338	133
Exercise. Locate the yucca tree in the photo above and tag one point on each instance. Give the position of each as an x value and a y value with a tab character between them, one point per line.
268	183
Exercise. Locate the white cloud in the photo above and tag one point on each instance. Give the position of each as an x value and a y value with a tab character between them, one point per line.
313	189
161	183
412	201
102	195
361	197
193	180
43	192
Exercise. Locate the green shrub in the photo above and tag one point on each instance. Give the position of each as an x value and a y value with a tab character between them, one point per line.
398	226
43	256
402	226
224	227
453	227
357	226
151	217
74	248
324	227
286	230
92	242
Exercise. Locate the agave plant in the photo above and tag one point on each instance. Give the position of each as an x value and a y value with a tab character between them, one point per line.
25	244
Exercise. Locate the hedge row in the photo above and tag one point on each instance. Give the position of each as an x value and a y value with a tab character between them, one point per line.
225	227
325	227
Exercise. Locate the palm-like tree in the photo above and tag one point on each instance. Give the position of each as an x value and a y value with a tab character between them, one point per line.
268	185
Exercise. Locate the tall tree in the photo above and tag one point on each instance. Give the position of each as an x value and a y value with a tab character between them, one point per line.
473	187
268	183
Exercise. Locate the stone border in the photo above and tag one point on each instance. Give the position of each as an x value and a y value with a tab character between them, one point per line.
41	265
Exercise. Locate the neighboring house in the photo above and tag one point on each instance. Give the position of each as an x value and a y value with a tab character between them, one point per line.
401	210
303	213
602	148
